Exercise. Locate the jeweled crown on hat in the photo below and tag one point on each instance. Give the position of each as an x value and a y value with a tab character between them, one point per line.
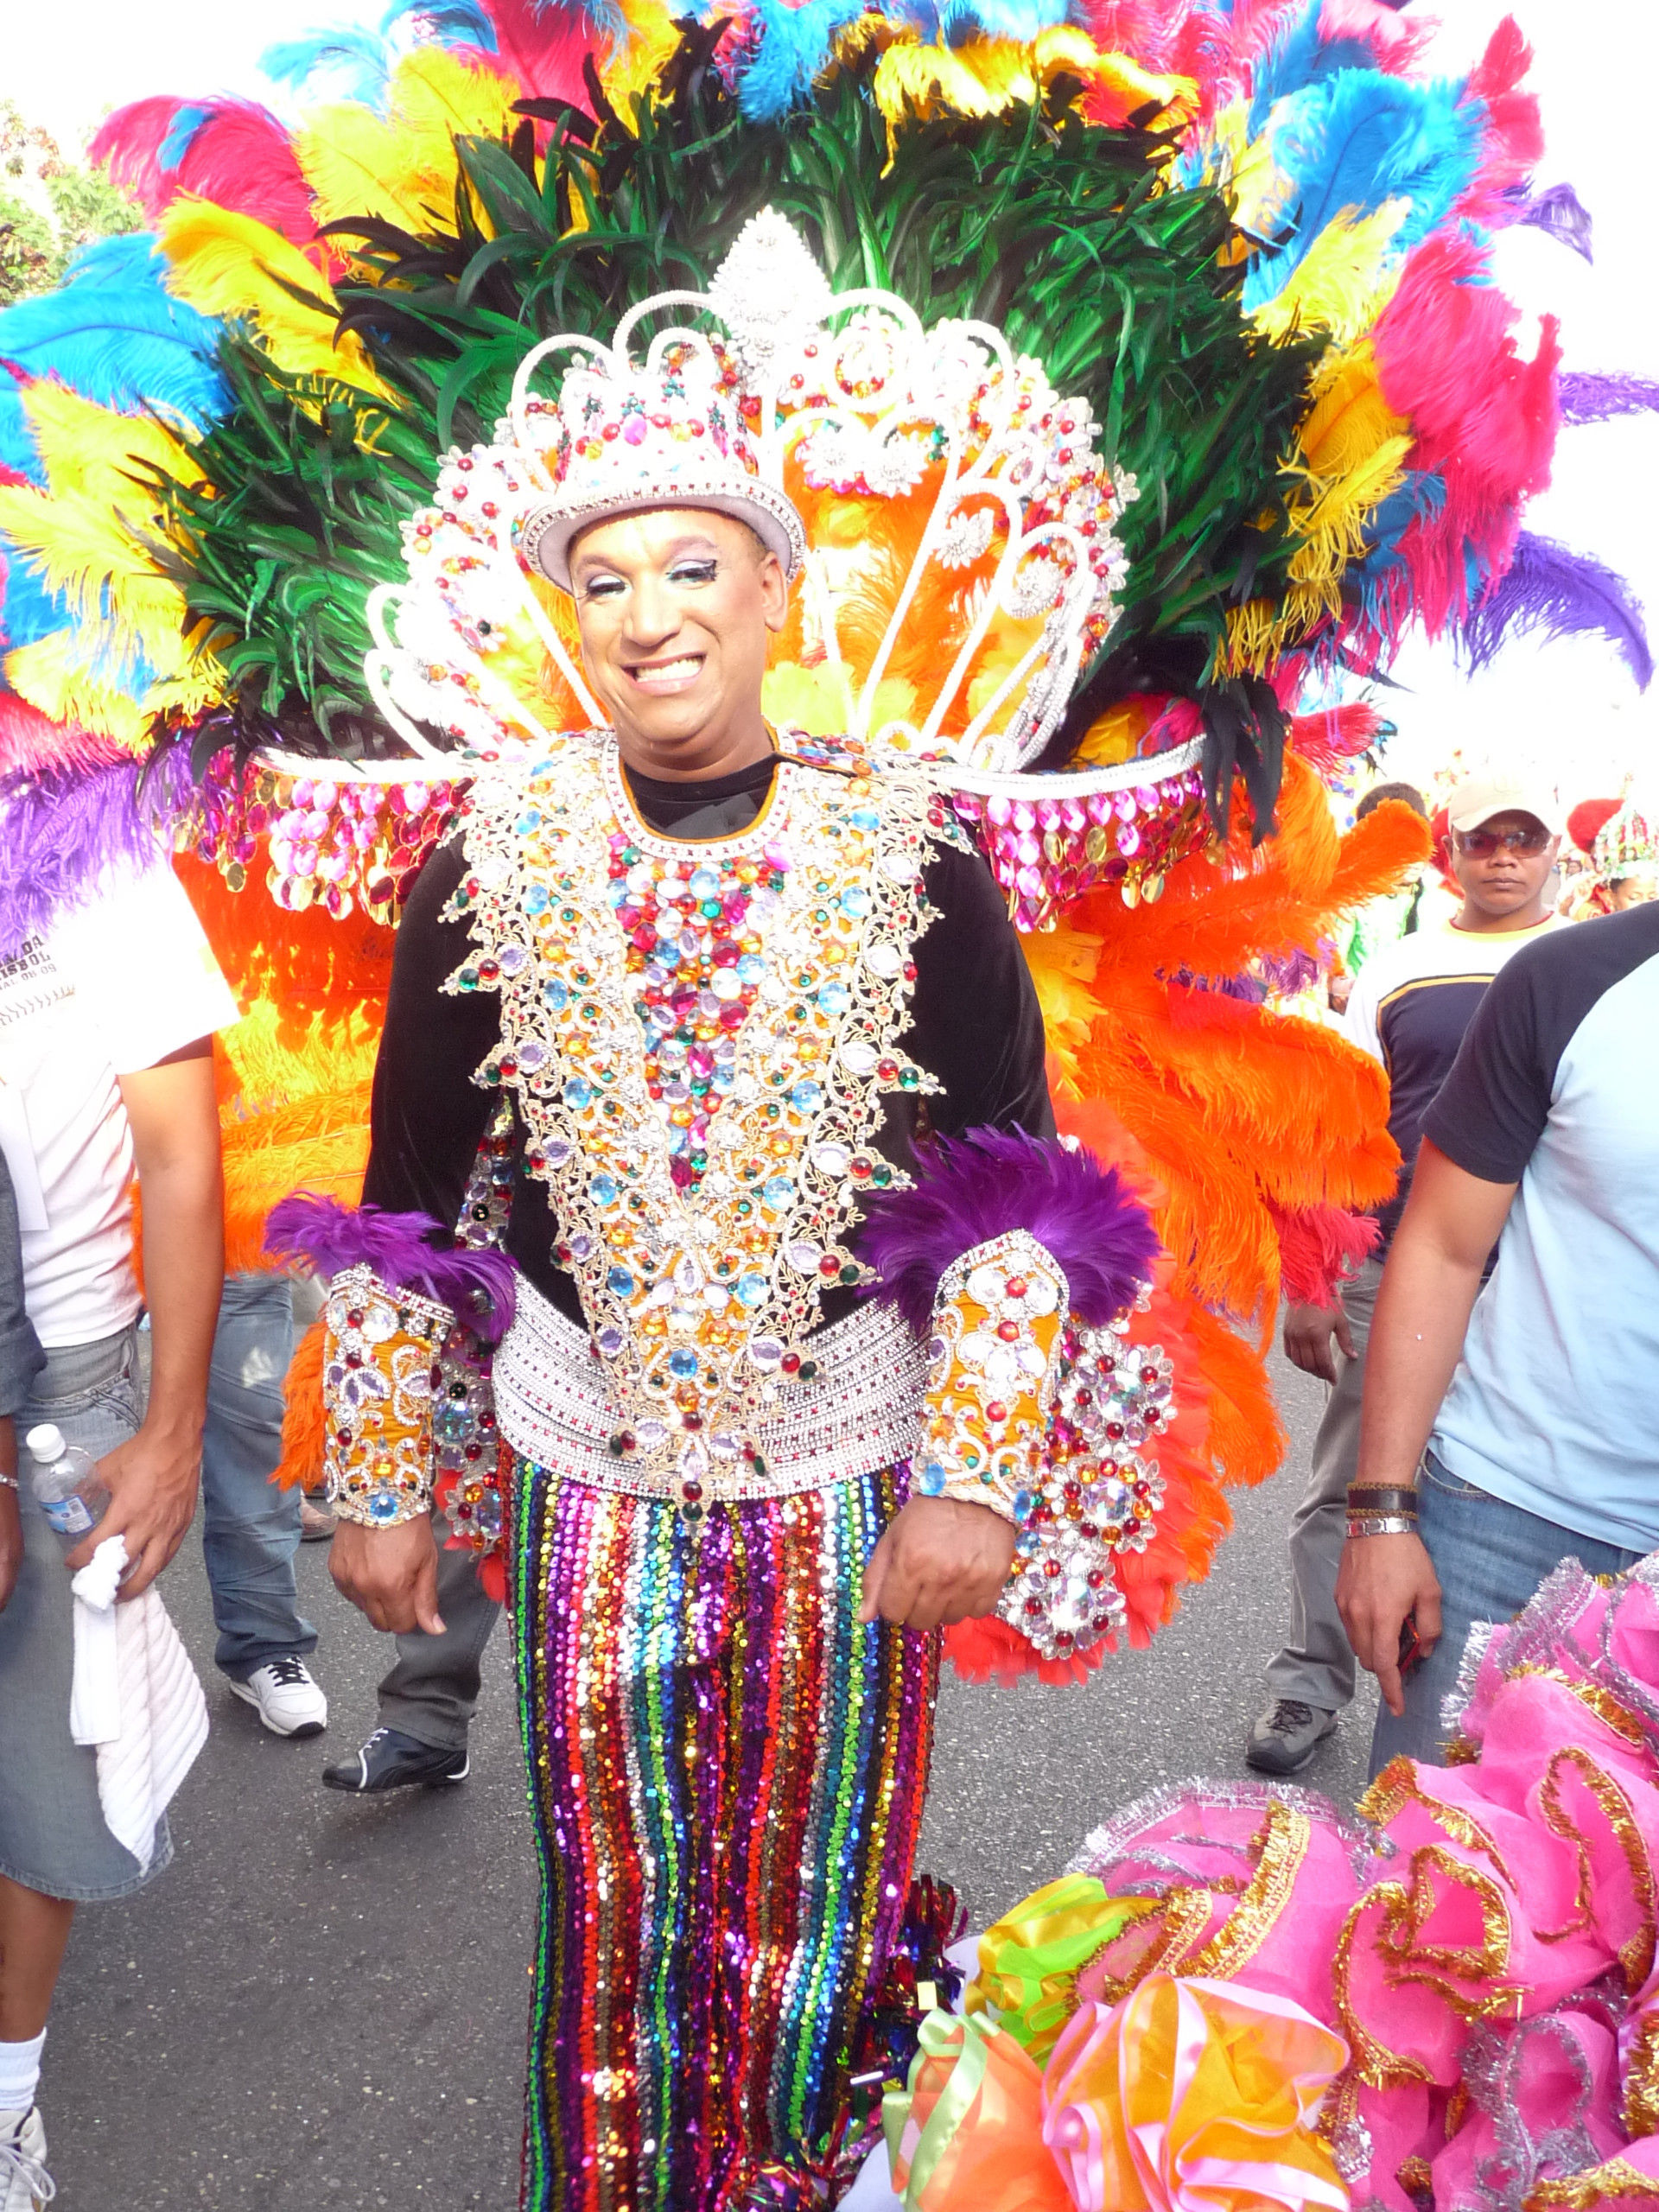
622	439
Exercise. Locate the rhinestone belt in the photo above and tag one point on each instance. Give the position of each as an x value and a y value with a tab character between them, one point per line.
860	1411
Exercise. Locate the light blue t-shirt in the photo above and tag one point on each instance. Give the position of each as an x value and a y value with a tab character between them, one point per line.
1554	1406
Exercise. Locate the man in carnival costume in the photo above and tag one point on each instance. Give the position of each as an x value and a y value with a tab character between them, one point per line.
733	980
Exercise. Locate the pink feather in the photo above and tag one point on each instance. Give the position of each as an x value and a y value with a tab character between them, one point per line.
1394	40
1514	144
1484	418
542	46
30	741
241	157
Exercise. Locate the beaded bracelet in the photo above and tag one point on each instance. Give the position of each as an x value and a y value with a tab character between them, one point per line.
7	1482
1382	1524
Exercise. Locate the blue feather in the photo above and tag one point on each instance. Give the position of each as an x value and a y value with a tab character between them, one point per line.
453	23
1301	56
1358	138
794	48
185	124
1015	19
29	609
114	335
360	62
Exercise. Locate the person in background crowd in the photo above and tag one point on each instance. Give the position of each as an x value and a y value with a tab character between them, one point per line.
1380	922
105	1066
1410	1008
1534	1396
1620	844
427	1699
251	1529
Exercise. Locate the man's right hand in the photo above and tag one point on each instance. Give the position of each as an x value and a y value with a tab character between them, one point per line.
391	1574
1382	1582
1308	1331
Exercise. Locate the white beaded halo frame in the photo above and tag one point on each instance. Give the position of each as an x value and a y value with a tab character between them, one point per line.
854	390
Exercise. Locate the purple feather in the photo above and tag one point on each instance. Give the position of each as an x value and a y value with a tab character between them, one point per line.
1563	593
61	830
990	1181
1558	212
478	1287
1587	398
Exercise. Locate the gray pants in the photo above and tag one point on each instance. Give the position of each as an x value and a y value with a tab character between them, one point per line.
431	1692
1316	1666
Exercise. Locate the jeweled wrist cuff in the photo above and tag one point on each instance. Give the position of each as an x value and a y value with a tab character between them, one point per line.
997	1320
379	1364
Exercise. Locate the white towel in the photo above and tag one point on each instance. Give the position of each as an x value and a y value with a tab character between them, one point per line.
135	1697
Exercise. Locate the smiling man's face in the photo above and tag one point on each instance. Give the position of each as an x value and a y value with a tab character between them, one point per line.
675	606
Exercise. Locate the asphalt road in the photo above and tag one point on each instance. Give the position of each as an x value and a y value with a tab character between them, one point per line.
321	2003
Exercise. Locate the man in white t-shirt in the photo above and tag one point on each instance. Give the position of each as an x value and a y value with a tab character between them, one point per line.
106	1022
1412	1001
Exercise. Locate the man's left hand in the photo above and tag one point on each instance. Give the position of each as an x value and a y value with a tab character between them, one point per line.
152	1480
940	1563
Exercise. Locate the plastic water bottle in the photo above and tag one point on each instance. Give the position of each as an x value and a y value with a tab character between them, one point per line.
66	1482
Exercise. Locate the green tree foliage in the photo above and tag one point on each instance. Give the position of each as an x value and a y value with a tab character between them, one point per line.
48	208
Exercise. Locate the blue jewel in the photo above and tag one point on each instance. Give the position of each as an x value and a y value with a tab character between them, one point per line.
683	1363
603	1191
932	1478
619	1283
556	995
751	1288
806	1097
578	1090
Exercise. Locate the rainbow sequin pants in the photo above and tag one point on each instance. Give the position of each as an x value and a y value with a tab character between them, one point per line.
726	1774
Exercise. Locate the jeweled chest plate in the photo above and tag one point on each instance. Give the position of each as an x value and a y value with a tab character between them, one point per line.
699	1035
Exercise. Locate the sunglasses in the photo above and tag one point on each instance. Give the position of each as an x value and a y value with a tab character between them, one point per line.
1481	844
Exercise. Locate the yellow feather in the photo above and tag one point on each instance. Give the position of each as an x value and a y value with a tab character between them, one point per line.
86	447
225	264
50	675
982	77
1345	280
637	59
1352	454
401	165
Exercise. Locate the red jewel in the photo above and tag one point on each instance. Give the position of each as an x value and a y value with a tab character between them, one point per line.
1016	1286
354	1319
996	1411
1096	1577
691	1420
1009	1330
829	1265
790	1362
887	1069
690	1492
1051	1567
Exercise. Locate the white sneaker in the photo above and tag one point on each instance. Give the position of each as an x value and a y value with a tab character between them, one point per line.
284	1696
25	2185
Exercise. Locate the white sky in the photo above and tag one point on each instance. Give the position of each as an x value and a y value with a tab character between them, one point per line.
1570	708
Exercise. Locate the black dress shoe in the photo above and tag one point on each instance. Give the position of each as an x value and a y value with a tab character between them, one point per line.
390	1760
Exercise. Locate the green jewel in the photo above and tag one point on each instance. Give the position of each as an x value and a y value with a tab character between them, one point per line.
850	1273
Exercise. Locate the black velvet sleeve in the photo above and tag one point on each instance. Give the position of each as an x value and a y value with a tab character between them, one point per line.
429	1115
974	1019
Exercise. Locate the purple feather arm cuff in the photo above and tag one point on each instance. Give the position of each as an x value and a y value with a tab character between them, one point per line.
478	1287
973	1188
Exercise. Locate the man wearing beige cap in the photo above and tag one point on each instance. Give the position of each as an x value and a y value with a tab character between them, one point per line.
1410	1007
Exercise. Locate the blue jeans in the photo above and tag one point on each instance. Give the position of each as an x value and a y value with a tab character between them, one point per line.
1491	1558
52	1836
251	1530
